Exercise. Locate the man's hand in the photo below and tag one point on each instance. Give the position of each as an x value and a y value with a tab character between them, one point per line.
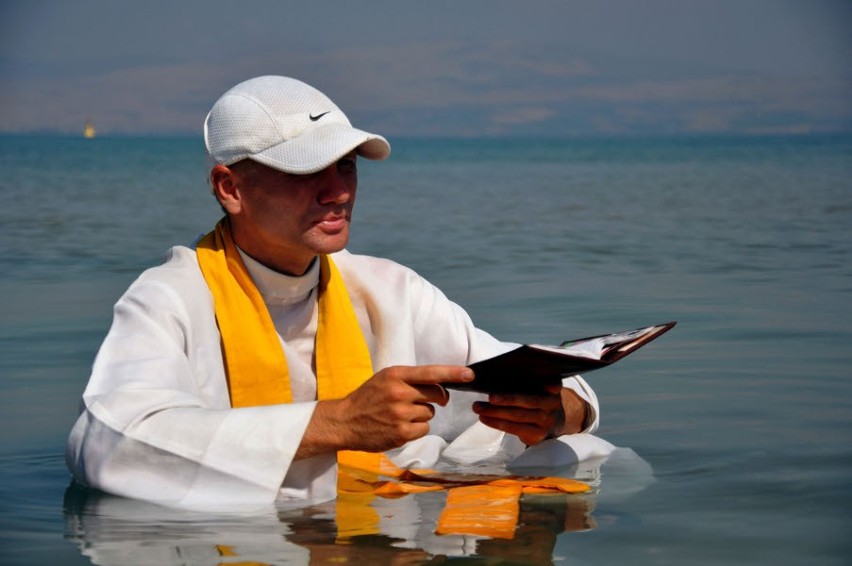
534	417
389	409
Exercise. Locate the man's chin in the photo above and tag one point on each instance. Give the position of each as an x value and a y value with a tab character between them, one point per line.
330	243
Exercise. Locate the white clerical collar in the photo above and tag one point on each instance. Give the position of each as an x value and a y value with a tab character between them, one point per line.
276	287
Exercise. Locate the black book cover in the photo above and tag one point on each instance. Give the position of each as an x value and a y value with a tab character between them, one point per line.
531	368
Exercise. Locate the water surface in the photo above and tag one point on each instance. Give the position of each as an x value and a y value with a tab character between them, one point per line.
740	416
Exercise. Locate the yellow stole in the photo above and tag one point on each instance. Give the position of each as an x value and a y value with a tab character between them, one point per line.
254	360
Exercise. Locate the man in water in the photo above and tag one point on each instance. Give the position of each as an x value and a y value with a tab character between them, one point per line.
235	372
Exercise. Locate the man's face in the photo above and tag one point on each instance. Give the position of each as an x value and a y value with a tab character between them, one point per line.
284	221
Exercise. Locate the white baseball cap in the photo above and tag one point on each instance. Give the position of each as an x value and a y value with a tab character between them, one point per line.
285	124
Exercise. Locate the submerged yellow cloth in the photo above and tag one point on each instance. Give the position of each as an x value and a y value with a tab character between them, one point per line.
481	510
397	482
477	504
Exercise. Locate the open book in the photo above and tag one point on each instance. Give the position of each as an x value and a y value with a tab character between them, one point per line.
531	367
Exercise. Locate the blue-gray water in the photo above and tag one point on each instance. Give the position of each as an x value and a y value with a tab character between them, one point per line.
743	412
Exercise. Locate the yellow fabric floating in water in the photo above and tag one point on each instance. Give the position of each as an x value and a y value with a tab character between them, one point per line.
477	504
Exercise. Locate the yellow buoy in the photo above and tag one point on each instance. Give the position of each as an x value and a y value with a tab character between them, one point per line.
89	129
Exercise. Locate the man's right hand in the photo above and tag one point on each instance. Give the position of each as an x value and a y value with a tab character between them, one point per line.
389	409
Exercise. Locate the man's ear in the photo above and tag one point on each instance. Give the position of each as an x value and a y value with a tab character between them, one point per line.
226	188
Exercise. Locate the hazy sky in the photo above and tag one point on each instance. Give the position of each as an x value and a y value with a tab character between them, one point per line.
475	67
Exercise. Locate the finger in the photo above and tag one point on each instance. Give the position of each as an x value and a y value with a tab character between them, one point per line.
443	395
407	412
544	401
512	414
528	433
423	413
435	374
432	393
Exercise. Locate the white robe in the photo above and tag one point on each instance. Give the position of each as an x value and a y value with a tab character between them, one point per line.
156	422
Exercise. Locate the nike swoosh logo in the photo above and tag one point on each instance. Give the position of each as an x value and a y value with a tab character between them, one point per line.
318	116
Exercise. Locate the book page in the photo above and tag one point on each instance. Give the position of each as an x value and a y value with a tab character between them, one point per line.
597	348
592	349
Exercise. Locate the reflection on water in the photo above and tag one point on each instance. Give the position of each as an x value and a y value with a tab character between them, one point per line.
115	530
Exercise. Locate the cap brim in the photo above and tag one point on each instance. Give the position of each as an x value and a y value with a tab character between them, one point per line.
315	150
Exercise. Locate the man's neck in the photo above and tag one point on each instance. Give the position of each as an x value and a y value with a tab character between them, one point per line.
277	287
291	268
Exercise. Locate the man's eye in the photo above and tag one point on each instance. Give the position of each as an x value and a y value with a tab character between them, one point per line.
347	164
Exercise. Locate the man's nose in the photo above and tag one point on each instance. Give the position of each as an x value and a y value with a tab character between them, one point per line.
335	187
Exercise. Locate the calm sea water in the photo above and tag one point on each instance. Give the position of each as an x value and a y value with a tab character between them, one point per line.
742	414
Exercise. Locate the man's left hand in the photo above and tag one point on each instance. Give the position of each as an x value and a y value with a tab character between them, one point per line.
534	417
